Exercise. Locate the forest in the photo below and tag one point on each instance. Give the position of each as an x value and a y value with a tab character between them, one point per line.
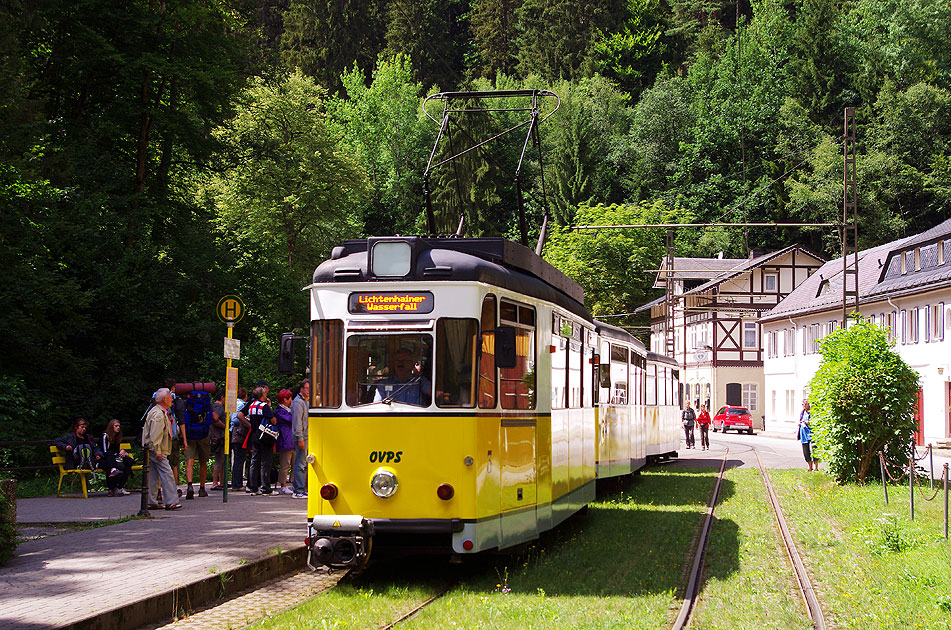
156	155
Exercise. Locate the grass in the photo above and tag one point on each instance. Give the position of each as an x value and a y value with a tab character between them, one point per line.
620	566
749	582
872	566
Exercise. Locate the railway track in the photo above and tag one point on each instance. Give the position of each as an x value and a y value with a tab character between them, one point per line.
806	590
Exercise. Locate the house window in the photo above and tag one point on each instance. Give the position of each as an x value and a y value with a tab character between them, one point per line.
904	263
749	335
790	402
769	282
937	322
913	326
904	326
773	395
917	259
940	252
749	396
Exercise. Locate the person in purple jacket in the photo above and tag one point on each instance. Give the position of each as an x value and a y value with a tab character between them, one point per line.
285	441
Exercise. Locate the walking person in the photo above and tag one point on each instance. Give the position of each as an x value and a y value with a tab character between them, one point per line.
299	417
157	438
117	463
688	416
703	421
805	437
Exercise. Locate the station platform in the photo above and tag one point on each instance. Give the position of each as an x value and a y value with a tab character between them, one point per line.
140	571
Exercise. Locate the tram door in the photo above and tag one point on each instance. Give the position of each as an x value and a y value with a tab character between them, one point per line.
519	481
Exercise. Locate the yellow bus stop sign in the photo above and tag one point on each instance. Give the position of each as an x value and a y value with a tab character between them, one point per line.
230	309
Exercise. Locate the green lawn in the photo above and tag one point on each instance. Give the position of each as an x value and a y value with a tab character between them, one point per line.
749	582
871	566
620	566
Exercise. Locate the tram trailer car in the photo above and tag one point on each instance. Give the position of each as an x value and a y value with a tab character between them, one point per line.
464	400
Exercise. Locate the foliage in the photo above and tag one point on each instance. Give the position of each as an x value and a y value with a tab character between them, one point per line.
863	398
386	129
8	528
612	265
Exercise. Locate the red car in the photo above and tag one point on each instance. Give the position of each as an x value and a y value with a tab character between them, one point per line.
738	418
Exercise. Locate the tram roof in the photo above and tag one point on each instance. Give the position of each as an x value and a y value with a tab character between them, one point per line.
494	261
614	332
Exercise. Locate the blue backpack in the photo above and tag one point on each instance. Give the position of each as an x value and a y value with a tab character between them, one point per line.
198	415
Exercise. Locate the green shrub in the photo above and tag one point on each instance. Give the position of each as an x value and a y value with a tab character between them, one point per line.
8	528
863	399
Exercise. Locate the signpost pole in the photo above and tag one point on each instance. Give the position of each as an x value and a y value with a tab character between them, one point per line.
230	310
227	462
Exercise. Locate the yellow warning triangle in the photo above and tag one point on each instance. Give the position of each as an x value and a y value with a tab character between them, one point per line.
336	524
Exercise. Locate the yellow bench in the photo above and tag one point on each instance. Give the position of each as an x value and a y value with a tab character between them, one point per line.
127	447
59	458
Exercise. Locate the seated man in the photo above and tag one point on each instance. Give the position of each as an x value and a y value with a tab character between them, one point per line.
406	384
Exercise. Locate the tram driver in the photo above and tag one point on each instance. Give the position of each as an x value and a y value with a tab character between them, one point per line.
406	383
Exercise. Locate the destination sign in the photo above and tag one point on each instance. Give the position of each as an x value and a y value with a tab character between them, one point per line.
392	302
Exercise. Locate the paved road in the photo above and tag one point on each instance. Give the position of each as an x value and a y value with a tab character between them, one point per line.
774	451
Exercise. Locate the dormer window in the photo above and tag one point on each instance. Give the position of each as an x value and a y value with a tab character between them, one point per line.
904	263
917	259
940	252
823	288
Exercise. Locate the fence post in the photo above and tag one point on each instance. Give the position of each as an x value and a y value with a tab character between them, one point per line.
144	503
931	460
881	463
945	471
911	484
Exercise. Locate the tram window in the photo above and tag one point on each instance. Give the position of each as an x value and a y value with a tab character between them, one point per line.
618	375
389	368
326	362
604	374
587	357
487	376
559	368
517	384
651	383
455	362
508	311
575	357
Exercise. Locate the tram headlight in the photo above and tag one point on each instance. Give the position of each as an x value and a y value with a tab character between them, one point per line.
384	483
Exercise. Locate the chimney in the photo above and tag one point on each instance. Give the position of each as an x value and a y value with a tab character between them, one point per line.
756	253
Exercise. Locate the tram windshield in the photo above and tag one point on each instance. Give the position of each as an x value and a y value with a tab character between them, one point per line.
389	369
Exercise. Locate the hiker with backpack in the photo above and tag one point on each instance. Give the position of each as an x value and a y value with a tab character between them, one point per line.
81	450
195	429
263	437
687	416
177	410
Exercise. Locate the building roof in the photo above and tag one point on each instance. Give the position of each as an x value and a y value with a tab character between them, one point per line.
747	265
696	268
892	280
880	275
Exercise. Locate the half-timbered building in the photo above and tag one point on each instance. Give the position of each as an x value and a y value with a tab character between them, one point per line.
713	328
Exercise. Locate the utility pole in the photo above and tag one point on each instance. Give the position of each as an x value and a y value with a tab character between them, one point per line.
850	226
669	321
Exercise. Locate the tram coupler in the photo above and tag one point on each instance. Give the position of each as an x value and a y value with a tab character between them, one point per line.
339	542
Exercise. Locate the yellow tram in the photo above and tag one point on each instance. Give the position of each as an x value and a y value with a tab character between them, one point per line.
464	400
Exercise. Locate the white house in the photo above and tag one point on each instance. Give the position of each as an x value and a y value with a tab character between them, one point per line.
905	287
716	312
